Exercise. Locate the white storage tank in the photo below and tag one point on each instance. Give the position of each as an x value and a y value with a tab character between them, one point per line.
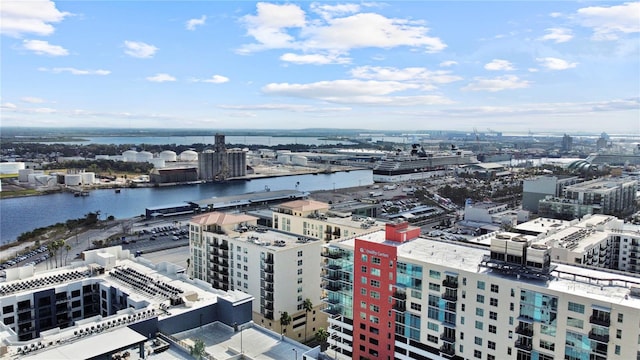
144	156
31	178
168	155
189	155
23	174
158	163
11	167
73	179
130	156
284	158
45	180
299	160
88	178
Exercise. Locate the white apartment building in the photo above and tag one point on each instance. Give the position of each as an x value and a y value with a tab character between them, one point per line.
391	297
281	270
314	219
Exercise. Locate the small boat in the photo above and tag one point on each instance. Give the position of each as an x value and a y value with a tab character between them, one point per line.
117	191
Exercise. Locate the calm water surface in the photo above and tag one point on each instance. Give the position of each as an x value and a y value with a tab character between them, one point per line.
19	215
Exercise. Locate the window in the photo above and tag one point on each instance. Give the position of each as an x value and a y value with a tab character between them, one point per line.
299	253
363	269
433	326
479	311
363	280
493	315
374	319
480	285
492	329
299	290
477	354
617	350
363	258
374	308
491	345
434	287
375	272
511	306
375	260
246	268
491	357
620	316
375	294
363	291
299	271
494	288
493	302
510	320
431	338
363	304
480	298
548	345
300	262
375	283
479	325
299	280
577	323
416	306
478	341
434	274
618	334
575	307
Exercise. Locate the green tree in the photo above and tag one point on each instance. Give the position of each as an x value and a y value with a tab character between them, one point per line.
285	319
198	350
321	336
307	306
67	247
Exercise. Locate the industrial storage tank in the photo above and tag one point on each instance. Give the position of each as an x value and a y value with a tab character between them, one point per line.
189	155
144	156
88	178
299	160
73	179
168	155
45	180
130	156
157	162
284	158
11	167
23	174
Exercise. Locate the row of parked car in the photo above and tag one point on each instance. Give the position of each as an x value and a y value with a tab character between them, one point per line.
36	257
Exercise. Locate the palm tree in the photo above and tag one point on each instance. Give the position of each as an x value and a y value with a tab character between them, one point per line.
307	306
322	335
67	247
285	319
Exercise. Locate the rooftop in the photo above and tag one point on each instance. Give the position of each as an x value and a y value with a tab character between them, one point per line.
249	198
606	286
273	239
305	205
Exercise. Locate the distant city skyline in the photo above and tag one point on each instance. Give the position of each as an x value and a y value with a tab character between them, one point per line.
514	66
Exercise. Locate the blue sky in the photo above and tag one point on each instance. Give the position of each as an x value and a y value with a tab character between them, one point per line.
511	66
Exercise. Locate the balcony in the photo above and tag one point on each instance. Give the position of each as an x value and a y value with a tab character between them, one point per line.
526	330
523	344
447	350
450	283
331	276
450	296
400	306
332	254
598	337
598	320
450	338
268	269
401	295
333	287
269	260
333	267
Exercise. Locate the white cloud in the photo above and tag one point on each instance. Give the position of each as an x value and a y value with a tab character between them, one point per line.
215	79
418	75
507	82
29	17
555	14
314	59
75	71
286	27
355	92
329	11
555	63
8	106
532	70
499	65
558	35
42	47
609	22
32	100
284	107
448	63
138	49
160	78
193	23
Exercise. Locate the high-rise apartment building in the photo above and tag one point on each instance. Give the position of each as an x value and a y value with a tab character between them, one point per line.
394	295
281	270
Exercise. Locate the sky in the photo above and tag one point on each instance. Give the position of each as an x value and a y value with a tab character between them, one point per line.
510	66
